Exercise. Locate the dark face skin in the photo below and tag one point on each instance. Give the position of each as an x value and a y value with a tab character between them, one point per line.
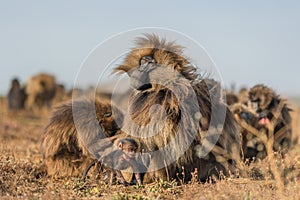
139	77
149	73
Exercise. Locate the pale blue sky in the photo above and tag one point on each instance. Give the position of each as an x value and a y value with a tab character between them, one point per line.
252	42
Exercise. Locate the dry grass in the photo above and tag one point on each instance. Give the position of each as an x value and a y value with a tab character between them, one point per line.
22	174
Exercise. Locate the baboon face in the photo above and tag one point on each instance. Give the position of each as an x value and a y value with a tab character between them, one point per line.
154	62
109	119
260	97
128	147
149	74
140	77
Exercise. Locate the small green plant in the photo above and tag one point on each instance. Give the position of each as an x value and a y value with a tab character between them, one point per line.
123	196
248	196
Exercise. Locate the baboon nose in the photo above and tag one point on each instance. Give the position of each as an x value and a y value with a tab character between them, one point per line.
145	86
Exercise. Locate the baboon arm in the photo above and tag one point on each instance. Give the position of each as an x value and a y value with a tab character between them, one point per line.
94	140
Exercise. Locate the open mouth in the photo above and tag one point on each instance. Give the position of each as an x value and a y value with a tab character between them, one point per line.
264	121
145	86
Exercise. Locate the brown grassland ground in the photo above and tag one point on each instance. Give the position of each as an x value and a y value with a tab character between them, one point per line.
22	174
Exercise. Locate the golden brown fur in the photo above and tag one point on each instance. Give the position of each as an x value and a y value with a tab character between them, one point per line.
174	82
72	128
243	96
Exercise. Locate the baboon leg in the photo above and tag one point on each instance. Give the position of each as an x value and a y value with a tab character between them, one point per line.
112	177
116	176
139	179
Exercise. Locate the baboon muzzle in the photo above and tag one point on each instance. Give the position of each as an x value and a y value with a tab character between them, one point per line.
139	77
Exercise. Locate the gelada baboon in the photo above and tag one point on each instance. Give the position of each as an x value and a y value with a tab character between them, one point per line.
170	113
60	94
40	91
16	96
241	97
123	158
69	133
266	104
231	98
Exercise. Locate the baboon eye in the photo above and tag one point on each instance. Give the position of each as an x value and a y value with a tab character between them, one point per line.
107	115
132	150
145	60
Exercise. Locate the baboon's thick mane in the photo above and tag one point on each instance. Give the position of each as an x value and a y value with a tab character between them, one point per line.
262	91
170	119
166	53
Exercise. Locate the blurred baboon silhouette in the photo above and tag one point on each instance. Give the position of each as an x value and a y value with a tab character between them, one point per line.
41	91
265	102
264	110
16	96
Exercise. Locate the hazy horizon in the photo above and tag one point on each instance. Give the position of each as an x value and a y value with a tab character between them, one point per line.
250	42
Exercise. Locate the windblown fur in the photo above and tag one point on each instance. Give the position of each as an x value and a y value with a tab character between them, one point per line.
172	101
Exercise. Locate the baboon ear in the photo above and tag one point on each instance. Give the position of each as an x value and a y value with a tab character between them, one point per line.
120	145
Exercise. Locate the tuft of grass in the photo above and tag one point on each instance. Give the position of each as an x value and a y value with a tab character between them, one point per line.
123	196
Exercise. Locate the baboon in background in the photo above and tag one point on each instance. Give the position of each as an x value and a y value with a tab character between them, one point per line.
231	98
40	91
60	94
243	96
75	93
265	102
70	132
16	95
164	79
